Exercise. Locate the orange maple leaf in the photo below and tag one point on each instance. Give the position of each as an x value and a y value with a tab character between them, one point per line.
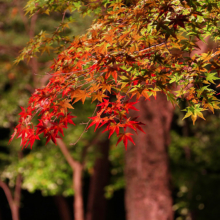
99	95
64	105
80	95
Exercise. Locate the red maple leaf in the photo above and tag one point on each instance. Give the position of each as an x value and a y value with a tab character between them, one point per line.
130	124
58	127
51	136
68	119
42	128
129	105
31	139
138	125
96	120
113	127
125	137
24	132
23	113
104	104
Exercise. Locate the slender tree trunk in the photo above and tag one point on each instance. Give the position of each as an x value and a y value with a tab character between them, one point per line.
148	195
77	181
13	203
77	187
62	207
15	212
96	208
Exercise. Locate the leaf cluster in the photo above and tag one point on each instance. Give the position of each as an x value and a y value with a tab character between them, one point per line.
130	52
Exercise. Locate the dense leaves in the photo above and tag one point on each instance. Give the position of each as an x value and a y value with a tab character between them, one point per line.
129	52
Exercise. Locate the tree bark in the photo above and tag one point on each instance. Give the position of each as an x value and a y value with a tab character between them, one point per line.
78	198
77	181
62	207
17	193
14	205
96	208
148	194
15	212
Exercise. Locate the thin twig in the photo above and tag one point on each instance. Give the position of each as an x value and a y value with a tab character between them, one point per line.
23	17
87	124
156	45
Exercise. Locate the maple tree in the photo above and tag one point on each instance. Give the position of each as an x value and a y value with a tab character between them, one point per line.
129	52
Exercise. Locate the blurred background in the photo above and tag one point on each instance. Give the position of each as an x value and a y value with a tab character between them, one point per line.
41	180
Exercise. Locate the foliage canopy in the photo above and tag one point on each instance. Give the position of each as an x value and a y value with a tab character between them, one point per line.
129	51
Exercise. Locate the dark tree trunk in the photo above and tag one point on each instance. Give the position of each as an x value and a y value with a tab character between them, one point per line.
62	207
96	208
148	194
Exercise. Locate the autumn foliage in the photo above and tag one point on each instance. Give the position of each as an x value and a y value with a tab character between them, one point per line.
130	52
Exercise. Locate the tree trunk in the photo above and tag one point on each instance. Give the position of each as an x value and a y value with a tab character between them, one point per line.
148	194
62	207
15	212
77	168
14	203
77	187
96	208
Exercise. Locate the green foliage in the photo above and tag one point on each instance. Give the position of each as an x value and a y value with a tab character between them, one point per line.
194	161
39	169
50	174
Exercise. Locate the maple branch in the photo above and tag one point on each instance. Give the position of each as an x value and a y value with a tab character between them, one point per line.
127	93
34	62
156	45
32	26
91	142
66	153
23	17
77	71
92	2
64	13
87	124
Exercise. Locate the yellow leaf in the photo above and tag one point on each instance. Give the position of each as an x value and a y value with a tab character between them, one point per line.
194	117
187	115
47	12
200	115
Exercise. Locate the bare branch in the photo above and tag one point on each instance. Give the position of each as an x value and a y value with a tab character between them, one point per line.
87	124
66	153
